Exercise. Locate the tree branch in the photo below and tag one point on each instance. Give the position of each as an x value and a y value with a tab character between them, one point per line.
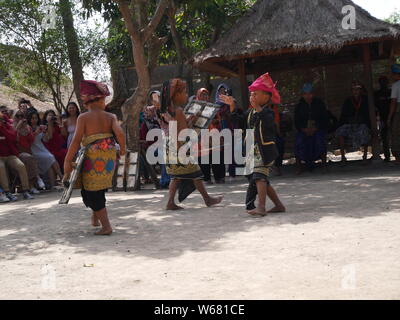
129	22
155	21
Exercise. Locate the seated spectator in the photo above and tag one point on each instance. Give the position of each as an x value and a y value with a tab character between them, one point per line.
24	142
9	159
354	122
47	163
7	114
69	122
26	106
311	121
53	139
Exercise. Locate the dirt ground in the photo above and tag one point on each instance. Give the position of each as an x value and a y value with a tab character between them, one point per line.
339	240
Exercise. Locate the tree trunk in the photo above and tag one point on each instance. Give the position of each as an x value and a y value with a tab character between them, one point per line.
140	37
121	93
73	47
133	106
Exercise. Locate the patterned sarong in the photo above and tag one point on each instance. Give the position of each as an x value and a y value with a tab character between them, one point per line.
179	170
185	172
310	148
99	164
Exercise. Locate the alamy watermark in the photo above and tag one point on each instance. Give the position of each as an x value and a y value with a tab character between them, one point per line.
197	147
349	280
49	20
48	279
349	21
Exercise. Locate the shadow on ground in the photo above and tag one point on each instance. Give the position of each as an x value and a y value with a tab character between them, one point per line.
144	228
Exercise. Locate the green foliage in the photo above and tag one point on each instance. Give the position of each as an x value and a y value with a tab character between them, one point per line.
37	57
394	17
201	23
32	56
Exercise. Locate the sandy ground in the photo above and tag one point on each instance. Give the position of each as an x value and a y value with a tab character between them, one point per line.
339	240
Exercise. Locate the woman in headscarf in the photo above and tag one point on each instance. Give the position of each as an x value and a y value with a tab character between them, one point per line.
96	129
185	176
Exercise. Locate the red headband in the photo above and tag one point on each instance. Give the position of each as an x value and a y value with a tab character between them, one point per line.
91	90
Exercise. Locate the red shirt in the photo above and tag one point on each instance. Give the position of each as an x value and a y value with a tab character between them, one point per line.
56	142
8	141
25	142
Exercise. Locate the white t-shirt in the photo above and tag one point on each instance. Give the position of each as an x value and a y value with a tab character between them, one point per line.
396	91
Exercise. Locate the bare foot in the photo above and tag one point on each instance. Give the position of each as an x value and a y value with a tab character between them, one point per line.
173	207
213	201
257	212
104	232
95	221
277	209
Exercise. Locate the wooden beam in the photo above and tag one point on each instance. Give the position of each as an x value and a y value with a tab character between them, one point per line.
243	84
214	68
371	104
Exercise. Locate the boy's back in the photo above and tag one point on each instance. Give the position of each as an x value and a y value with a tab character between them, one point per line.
98	121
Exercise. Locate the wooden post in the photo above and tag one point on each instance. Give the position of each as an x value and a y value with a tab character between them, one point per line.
371	104
243	85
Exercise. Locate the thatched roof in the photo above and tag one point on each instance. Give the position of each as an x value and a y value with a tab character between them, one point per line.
273	26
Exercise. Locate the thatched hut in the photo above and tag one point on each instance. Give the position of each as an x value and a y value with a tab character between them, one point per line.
277	35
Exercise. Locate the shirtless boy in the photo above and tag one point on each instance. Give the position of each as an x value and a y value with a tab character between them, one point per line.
96	130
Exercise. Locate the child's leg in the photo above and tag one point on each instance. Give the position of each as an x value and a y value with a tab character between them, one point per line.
262	198
106	228
251	194
209	201
95	220
279	207
173	186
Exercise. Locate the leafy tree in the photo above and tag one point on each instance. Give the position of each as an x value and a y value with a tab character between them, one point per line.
36	56
71	38
31	55
179	29
394	17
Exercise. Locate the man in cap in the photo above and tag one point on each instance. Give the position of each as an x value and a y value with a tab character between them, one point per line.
311	121
96	129
394	116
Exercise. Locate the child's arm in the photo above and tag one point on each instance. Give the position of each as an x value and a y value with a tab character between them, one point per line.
119	134
75	145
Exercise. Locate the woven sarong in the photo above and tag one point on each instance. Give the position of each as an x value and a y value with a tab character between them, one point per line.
99	164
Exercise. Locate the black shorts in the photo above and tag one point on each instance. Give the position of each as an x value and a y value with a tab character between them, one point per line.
258	176
95	200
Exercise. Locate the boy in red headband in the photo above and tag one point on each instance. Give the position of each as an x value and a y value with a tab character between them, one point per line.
261	119
96	129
